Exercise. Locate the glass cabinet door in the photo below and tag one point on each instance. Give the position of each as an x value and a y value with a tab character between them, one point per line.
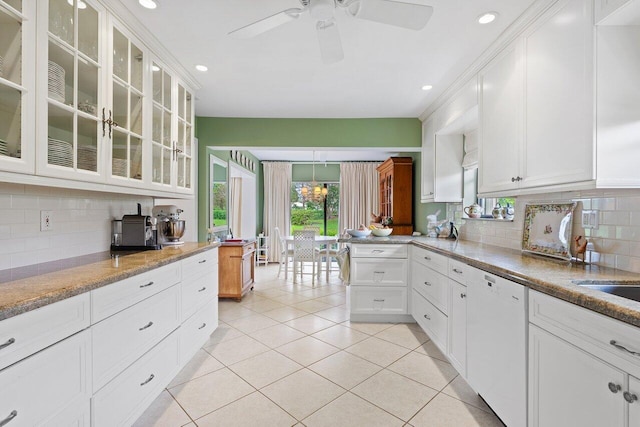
161	135
126	113
17	85
184	143
74	90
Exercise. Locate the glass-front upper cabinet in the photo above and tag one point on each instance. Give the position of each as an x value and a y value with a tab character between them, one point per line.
70	143
162	129
17	85
184	141
125	116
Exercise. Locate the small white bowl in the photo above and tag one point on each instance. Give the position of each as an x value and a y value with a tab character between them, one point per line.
359	233
382	232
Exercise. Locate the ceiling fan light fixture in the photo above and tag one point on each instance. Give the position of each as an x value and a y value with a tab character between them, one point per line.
149	4
487	18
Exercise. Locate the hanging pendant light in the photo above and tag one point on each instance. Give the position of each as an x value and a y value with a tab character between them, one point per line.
315	192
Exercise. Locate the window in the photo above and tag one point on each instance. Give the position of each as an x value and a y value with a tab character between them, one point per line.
319	213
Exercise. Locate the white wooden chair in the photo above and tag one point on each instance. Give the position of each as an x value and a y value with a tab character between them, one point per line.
285	253
304	250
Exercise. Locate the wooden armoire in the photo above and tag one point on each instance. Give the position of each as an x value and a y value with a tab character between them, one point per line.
396	193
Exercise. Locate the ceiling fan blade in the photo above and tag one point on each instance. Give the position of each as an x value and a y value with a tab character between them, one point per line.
266	24
404	15
330	43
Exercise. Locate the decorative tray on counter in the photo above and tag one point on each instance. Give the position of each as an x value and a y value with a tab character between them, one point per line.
547	229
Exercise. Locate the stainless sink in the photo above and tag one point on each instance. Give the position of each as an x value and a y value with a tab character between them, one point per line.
621	288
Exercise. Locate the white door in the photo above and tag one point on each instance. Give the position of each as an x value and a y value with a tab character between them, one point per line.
458	327
569	387
500	127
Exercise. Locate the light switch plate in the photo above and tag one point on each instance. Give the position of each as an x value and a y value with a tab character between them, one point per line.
46	220
590	220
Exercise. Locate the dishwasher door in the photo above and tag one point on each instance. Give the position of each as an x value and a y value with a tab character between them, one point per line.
497	345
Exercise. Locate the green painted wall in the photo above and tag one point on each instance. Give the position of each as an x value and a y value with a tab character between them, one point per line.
324	173
344	133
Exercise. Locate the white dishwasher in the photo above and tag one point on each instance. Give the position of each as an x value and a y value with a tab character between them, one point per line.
497	345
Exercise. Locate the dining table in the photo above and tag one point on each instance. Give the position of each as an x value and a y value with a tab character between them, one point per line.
319	240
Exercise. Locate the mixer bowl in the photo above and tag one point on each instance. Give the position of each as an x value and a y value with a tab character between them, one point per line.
172	230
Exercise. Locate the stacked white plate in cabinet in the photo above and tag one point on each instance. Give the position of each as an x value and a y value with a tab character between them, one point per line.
87	158
56	82
4	151
60	153
119	167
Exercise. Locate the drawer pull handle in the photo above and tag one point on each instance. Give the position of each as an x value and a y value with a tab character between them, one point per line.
202	262
377	251
203	288
463	295
428	258
7	420
148	284
378	300
148	325
427	283
455	270
148	380
378	272
203	325
7	344
614	388
426	316
630	398
623	348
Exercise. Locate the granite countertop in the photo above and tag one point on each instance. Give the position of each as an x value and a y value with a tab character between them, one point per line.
547	275
27	288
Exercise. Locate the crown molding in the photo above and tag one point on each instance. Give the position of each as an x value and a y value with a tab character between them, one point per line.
133	24
511	33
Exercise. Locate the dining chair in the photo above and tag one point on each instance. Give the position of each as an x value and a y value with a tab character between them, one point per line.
304	250
285	252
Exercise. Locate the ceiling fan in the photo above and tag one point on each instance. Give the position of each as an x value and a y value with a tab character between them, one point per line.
404	15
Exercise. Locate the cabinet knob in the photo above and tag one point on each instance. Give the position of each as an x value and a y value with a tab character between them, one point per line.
426	316
513	179
630	398
7	420
427	258
614	387
455	270
463	295
427	283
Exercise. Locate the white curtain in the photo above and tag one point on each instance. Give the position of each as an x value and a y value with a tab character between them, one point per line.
235	191
277	203
359	194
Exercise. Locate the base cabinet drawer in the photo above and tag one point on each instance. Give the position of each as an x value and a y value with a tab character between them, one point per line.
195	331
378	300
27	333
432	285
125	398
200	264
52	387
430	259
379	251
197	291
121	339
432	320
372	271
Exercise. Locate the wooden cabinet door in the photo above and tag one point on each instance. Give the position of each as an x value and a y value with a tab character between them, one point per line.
458	327
570	387
500	126
558	56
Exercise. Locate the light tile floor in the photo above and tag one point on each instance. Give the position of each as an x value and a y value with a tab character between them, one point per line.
288	355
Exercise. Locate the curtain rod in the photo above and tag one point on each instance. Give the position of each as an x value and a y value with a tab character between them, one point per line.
300	162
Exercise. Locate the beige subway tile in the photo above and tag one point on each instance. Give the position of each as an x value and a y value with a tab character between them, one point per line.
628	233
12	216
605	203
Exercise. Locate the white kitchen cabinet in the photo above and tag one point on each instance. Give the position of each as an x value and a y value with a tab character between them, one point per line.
379	288
594	357
449	152
501	87
536	107
497	344
431	320
17	85
568	386
427	188
52	387
559	88
69	139
610	9
457	328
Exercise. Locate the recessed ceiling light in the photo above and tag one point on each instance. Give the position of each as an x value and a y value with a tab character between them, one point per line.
154	67
149	4
202	68
81	4
487	18
427	87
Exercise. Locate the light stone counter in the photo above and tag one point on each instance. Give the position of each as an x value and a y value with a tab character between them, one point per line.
70	277
552	277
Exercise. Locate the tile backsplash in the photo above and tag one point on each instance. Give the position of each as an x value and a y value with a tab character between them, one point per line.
81	222
617	239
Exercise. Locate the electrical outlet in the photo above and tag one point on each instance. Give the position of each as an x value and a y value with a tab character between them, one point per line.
590	220
46	220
